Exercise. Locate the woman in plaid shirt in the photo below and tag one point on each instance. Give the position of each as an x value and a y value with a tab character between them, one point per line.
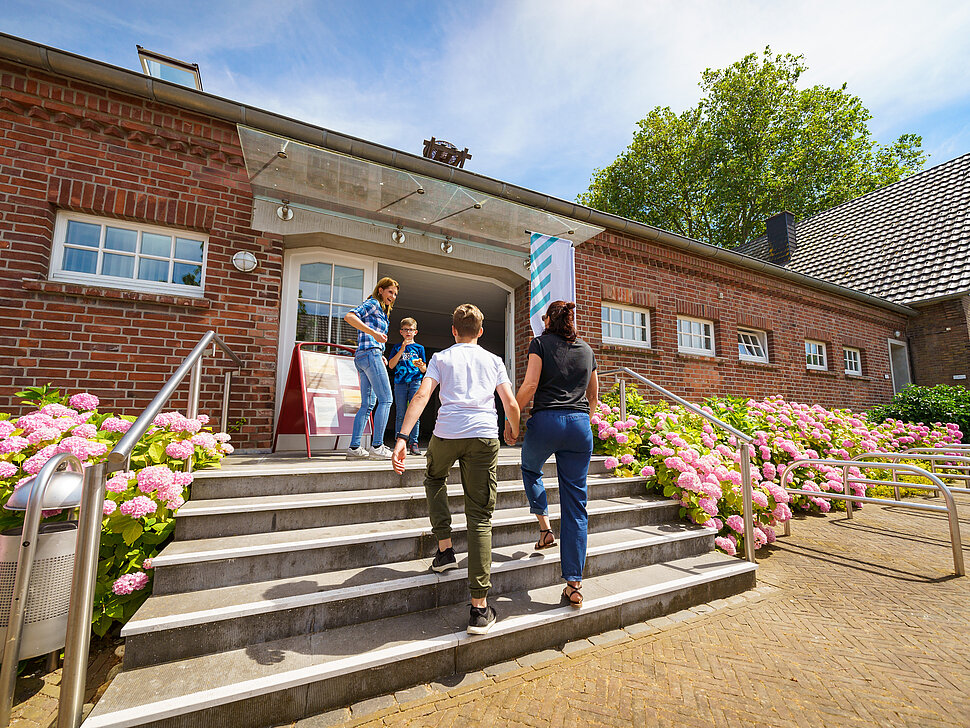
371	319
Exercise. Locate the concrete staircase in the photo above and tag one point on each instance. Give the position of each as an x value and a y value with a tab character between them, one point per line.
295	588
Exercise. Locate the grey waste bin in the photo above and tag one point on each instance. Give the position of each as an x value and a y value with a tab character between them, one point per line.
49	594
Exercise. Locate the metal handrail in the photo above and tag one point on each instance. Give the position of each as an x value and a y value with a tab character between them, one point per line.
78	642
746	491
932	459
950	508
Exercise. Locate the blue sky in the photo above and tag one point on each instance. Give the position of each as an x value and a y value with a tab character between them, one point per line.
540	92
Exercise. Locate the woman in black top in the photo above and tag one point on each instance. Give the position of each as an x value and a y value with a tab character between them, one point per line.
561	379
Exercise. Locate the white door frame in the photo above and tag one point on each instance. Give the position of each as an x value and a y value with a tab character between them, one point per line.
892	372
293	259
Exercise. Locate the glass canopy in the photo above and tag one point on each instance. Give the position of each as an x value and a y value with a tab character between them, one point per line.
306	175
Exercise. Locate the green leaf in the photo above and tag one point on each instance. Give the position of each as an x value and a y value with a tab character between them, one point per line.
132	532
156	451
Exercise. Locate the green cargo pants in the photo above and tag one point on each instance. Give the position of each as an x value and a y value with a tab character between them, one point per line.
477	459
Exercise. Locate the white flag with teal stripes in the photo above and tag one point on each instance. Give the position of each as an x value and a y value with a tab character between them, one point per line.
553	274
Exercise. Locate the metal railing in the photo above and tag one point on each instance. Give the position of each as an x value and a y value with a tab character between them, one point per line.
932	456
746	440
950	508
89	524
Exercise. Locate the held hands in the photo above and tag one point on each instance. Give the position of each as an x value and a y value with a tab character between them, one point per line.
397	458
510	436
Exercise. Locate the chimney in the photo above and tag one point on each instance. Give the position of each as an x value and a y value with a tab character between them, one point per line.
781	238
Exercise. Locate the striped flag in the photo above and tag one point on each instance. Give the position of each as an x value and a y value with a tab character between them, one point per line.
553	276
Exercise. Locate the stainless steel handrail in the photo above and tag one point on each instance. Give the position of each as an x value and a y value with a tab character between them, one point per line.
932	458
950	508
81	606
746	498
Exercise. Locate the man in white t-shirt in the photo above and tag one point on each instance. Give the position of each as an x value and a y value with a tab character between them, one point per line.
467	432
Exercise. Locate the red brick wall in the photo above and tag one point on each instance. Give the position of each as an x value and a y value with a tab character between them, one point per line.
69	145
939	342
611	267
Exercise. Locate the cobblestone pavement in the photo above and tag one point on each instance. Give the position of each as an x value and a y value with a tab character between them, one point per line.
855	623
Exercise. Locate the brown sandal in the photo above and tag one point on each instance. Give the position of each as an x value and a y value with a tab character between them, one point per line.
544	542
571	596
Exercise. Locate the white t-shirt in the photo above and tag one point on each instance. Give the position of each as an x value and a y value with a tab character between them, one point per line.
468	377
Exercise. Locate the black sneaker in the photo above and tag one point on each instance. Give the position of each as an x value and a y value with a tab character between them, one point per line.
481	619
444	560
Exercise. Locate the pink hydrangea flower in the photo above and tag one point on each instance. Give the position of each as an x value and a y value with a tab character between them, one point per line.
176	503
689	481
154	477
735	523
147	563
138	507
109	507
7	469
130	583
43	434
86	431
34	463
13	444
82	448
180	449
726	546
759	498
610	463
63	424
119	483
6	428
622	439
626	458
180	478
647	471
708	505
116	424
57	410
227	449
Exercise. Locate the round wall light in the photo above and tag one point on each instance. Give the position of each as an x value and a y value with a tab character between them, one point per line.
398	236
244	261
446	246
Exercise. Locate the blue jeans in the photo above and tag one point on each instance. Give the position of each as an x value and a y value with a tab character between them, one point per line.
567	435
375	387
403	394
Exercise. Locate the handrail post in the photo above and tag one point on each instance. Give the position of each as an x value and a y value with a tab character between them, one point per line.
746	504
623	400
845	485
195	386
227	385
81	608
896	493
25	565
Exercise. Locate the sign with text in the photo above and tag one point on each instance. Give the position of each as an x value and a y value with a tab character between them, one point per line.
321	397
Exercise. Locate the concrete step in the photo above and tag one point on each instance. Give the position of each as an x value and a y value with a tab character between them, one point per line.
276	682
219	517
185	566
177	626
318	475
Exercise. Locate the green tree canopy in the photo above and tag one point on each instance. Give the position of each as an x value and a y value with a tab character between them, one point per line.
754	145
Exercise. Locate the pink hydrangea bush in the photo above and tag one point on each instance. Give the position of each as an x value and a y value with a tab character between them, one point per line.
699	465
140	503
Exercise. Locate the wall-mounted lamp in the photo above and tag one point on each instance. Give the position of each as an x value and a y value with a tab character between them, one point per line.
282	152
284	212
398	235
446	246
527	263
244	261
897	334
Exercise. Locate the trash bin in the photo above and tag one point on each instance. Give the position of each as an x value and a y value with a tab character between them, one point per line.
49	594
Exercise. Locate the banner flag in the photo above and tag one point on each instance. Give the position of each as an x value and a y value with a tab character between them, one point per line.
553	276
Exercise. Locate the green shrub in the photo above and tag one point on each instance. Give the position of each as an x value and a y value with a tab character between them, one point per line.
928	405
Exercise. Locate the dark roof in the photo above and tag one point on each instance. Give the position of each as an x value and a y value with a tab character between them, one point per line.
906	242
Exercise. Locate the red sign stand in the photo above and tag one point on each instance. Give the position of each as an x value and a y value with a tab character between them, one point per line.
315	399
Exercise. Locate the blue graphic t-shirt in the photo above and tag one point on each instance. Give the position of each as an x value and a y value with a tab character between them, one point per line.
405	371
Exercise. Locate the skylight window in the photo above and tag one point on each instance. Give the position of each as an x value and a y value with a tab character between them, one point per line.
170	69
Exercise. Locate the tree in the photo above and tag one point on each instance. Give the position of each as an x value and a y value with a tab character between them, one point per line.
754	145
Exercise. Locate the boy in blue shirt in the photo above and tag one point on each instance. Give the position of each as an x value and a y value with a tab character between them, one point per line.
409	364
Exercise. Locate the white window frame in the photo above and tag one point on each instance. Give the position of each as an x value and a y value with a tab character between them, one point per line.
701	351
57	272
760	337
855	371
621	341
822	353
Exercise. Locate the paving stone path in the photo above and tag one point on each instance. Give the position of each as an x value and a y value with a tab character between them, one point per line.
856	623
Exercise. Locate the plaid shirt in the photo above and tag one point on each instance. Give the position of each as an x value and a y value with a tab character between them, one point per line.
371	313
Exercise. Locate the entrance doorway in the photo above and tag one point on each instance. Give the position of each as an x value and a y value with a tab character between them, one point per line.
899	364
321	285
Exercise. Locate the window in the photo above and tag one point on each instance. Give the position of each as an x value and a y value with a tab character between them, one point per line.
327	292
853	361
625	325
121	254
695	336
169	69
815	355
752	345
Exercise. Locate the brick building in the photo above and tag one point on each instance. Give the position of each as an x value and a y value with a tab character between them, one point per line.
124	200
908	243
